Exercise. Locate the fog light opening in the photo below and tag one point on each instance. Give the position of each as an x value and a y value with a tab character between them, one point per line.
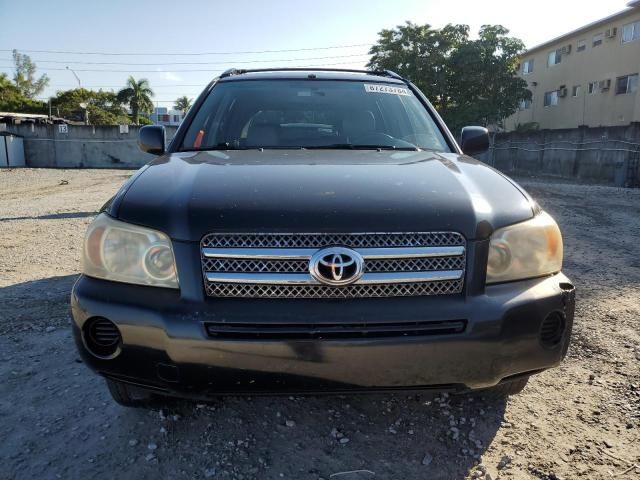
101	337
566	286
552	330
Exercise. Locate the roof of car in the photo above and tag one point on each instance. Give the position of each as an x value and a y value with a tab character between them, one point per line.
323	74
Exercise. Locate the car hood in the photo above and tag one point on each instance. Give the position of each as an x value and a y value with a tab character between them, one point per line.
189	194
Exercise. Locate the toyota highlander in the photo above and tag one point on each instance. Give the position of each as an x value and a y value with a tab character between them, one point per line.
318	231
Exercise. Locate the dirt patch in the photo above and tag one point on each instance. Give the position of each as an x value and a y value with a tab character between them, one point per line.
58	421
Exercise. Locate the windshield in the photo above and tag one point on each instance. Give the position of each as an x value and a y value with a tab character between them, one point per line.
312	114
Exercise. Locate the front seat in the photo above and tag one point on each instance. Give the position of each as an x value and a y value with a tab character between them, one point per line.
262	135
358	123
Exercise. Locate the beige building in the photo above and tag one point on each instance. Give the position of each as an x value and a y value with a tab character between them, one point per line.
585	77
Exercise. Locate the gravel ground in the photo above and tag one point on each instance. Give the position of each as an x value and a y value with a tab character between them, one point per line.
58	421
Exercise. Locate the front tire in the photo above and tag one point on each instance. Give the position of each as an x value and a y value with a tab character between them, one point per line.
507	389
128	396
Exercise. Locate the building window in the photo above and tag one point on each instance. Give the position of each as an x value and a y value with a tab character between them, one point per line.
597	39
525	104
527	67
631	32
582	46
627	84
551	98
555	58
594	87
576	90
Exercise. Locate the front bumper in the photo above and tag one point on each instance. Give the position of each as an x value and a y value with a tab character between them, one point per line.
165	346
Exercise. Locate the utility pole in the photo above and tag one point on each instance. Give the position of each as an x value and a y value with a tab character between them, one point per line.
85	107
82	105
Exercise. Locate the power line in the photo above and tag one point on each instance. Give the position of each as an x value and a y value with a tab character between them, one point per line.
49	69
67	85
72	62
67	52
173	70
153	99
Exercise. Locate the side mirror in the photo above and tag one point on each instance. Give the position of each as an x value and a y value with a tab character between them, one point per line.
151	139
474	140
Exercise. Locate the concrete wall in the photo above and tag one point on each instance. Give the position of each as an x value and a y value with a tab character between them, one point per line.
606	155
600	155
82	146
11	150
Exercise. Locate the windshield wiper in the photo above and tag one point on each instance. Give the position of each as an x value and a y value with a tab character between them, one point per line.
220	146
333	146
352	146
228	146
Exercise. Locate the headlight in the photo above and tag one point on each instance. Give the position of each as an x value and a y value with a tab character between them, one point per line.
121	252
525	250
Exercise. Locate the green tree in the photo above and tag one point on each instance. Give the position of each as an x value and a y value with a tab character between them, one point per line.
103	108
12	100
469	81
487	88
422	54
4	81
137	95
183	104
25	76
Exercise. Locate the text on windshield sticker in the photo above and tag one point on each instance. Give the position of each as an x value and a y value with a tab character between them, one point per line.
369	88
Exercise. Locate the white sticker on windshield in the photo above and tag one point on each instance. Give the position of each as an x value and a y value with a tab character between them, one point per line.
369	88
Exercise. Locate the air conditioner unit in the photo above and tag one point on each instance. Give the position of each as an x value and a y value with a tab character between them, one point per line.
611	32
562	92
566	50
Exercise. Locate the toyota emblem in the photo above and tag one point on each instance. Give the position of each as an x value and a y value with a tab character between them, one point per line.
336	266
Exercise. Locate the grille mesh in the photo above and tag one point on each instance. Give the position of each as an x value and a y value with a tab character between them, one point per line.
414	264
350	240
326	291
262	266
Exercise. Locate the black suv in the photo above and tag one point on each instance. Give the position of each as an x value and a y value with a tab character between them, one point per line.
318	231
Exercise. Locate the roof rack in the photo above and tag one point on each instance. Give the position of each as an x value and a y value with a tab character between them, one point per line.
381	73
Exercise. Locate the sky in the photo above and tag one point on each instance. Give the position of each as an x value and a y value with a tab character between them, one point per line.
181	45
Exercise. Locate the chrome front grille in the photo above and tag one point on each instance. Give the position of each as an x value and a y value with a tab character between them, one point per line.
249	266
415	264
301	266
319	240
278	265
325	291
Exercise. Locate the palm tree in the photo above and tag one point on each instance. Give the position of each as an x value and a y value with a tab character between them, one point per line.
183	104
137	94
